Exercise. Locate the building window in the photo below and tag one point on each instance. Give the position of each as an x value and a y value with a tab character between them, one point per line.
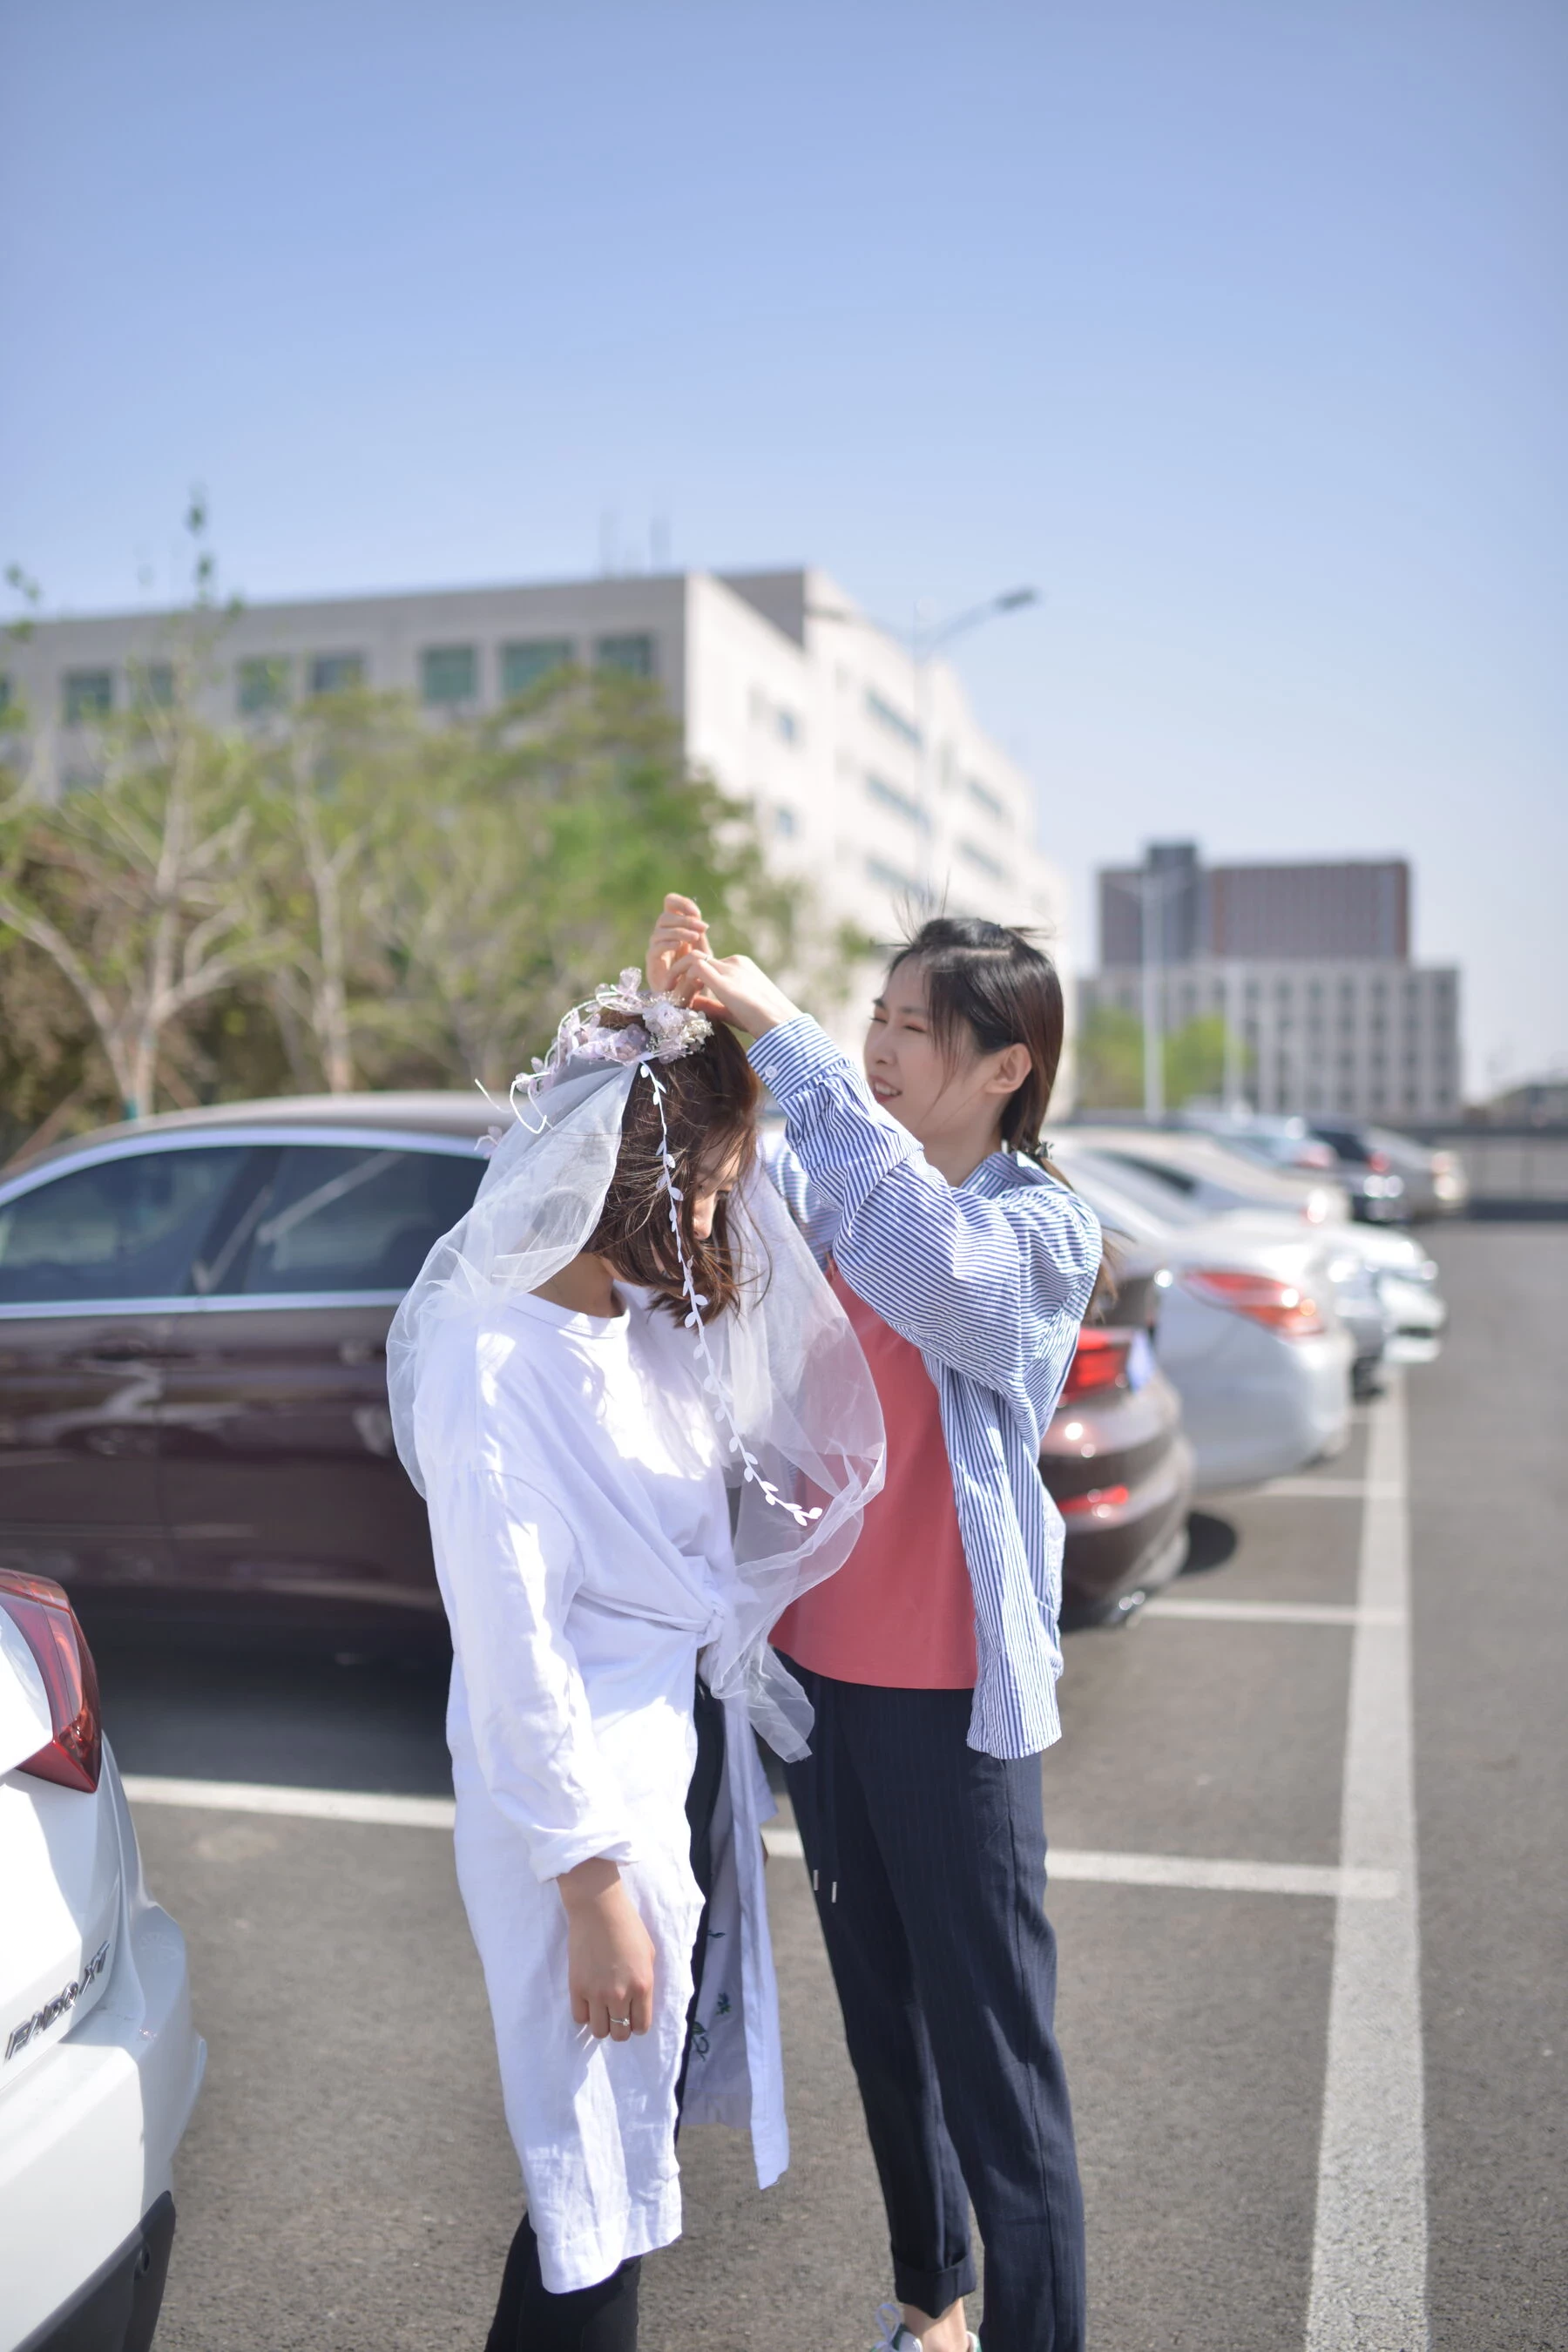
448	673
525	664
632	655
88	694
983	861
902	804
263	684
983	797
893	720
786	725
151	685
786	821
336	673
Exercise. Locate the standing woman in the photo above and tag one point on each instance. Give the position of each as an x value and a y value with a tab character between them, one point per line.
612	1382
932	1659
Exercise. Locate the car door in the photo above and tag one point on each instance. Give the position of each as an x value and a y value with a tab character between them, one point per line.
93	1257
279	1478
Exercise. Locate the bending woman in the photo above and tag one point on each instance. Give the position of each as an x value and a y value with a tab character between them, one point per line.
932	1659
584	1366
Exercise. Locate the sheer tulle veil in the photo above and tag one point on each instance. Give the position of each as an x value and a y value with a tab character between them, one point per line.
792	1402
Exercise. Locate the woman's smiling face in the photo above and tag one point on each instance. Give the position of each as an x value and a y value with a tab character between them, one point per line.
945	1100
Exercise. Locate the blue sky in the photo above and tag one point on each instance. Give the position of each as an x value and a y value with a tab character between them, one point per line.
1239	327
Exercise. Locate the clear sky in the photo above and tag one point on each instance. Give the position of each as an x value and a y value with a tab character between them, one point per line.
1239	327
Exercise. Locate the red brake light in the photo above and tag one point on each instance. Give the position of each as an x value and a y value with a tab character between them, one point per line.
1100	1500
1099	1362
1379	1162
47	1623
1261	1298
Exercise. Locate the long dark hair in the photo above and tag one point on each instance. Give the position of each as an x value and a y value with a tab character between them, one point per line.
711	1102
988	986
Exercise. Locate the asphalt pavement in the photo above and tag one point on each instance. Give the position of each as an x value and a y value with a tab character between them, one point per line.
347	2181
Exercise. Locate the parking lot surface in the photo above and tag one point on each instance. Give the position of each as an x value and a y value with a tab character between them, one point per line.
1256	1999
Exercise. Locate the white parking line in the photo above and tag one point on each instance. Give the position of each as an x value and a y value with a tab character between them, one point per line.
1369	2252
1268	1612
1179	1870
299	1804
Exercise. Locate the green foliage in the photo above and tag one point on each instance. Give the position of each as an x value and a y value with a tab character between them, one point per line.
346	894
1110	1060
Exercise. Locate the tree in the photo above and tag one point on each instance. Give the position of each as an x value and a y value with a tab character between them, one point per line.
1110	1060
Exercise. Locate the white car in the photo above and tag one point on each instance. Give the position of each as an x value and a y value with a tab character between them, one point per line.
1210	1175
99	2065
1248	1334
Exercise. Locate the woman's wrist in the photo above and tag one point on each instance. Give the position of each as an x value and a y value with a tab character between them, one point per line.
588	1882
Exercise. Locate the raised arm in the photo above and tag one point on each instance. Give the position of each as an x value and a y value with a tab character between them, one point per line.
975	1282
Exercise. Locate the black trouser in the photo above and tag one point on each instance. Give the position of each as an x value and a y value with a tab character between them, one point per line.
603	2317
945	1965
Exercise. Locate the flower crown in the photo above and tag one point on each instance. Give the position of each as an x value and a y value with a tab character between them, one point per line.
652	1028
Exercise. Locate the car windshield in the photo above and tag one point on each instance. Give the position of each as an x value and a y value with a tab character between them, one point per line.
1135	1201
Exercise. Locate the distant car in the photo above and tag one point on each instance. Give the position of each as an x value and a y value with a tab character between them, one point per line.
1213	1176
1432	1184
1249	1332
1115	1457
100	2066
1195	1171
1374	1189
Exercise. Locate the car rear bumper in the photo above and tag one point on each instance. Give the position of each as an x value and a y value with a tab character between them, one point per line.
88	2135
1116	1550
117	2310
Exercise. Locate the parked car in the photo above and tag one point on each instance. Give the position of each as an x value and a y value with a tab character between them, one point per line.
193	1313
1432	1184
100	2066
1372	1184
1214	1177
1116	1459
1249	1332
1192	1174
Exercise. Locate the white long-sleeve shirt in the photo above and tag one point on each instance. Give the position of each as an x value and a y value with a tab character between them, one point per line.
582	1539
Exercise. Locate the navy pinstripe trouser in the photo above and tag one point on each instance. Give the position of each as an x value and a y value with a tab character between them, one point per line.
945	1965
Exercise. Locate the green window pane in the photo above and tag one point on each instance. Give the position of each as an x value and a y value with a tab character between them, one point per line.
89	694
336	673
448	673
524	665
632	655
263	684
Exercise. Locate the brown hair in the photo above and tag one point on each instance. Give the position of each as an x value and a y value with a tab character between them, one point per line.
711	1101
989	986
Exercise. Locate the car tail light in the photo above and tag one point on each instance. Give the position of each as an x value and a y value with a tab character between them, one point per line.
47	1623
1261	1298
1379	1162
1099	1362
1100	1501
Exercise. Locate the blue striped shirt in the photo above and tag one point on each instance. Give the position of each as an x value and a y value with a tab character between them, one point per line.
990	1281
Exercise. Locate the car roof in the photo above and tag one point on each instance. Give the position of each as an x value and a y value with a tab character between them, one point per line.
430	1112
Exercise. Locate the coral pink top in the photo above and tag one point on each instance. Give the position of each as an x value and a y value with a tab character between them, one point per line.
900	1611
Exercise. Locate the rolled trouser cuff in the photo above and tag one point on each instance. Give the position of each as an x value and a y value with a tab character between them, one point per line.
934	2292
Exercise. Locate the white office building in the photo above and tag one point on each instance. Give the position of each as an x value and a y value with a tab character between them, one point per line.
867	770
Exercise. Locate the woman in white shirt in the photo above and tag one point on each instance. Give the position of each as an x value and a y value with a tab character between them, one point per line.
617	1334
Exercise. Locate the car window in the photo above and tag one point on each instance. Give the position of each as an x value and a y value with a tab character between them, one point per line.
123	1228
351	1217
1129	1184
1174	1180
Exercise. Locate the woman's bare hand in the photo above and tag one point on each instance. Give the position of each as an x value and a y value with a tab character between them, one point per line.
610	1958
679	931
731	988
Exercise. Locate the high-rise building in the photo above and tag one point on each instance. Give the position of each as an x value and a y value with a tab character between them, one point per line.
1307	965
868	771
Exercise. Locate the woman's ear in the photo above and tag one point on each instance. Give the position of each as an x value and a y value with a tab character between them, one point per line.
1013	1066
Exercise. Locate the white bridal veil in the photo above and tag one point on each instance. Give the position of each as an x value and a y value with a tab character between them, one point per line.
792	1399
